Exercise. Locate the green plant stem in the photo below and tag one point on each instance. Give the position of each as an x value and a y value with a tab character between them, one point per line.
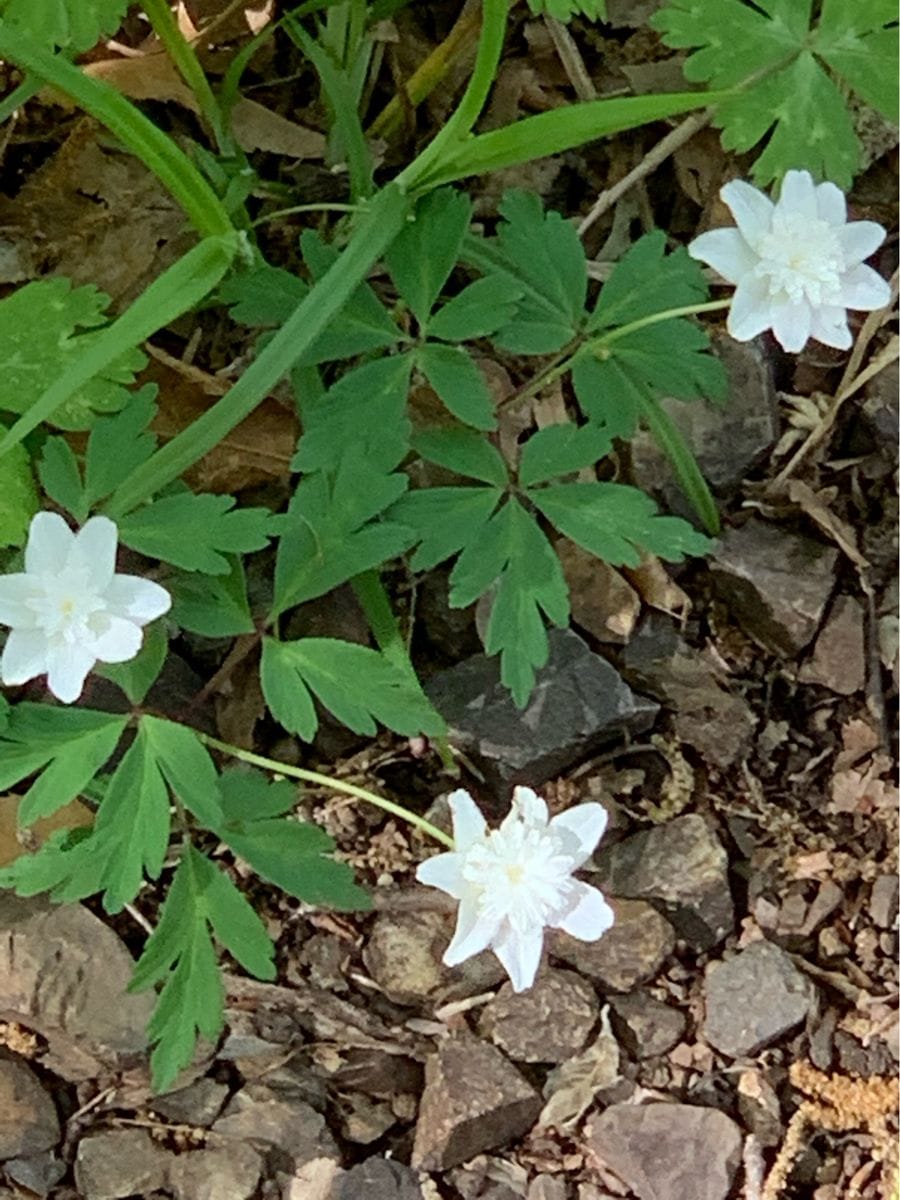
303	208
597	341
380	223
335	785
182	55
156	149
18	97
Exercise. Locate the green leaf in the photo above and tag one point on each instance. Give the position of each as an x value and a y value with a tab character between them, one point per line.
19	498
202	903
72	25
560	450
459	383
67	745
616	523
195	532
213	606
187	767
332	529
262	295
445	519
357	684
60	477
42	333
792	94
137	676
477	311
602	399
511	551
564	10
249	795
859	42
366	407
646	281
119	445
463	451
421	258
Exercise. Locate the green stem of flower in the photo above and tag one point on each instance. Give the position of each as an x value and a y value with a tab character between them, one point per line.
303	208
182	55
669	314
335	785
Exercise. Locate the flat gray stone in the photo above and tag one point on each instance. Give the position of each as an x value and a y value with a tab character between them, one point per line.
579	704
669	1151
28	1119
838	660
227	1172
884	901
629	953
198	1104
378	1179
646	1026
753	999
474	1100
261	1116
39	1174
119	1163
549	1022
682	867
776	583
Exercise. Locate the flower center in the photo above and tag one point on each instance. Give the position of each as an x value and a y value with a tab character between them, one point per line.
520	874
802	259
68	607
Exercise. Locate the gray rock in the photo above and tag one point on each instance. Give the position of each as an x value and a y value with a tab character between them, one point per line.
776	583
198	1104
28	1120
549	1022
838	660
39	1174
718	723
753	999
629	953
883	904
474	1100
49	982
727	440
546	1187
378	1179
669	1151
120	1163
580	703
645	1025
682	866
403	955
758	1105
227	1172
259	1115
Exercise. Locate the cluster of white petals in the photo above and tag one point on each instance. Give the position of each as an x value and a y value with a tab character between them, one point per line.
69	609
798	263
515	881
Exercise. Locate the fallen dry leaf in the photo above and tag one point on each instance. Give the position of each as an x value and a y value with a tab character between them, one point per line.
571	1087
603	602
656	587
15	842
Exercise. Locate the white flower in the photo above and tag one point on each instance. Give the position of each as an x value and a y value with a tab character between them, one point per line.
69	609
798	264
513	881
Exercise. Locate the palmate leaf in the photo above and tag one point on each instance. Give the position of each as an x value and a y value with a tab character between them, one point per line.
196	532
479	310
44	327
734	40
73	25
358	685
564	10
202	903
213	606
421	258
459	383
19	497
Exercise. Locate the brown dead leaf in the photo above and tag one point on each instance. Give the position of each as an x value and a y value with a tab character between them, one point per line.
858	739
603	602
864	789
259	450
15	842
572	1086
656	587
258	128
816	505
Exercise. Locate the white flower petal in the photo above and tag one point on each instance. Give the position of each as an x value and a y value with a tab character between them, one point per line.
585	824
67	668
792	324
863	288
119	642
798	194
520	954
95	547
14	591
831	204
444	871
590	917
24	656
726	251
50	541
749	313
751	209
829	326
140	600
474	933
528	805
468	824
859	239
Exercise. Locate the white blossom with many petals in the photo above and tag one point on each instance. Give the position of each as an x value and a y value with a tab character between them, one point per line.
514	881
69	609
798	263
